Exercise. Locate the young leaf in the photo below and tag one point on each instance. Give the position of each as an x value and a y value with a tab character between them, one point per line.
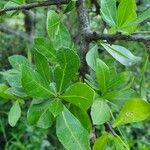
108	11
71	133
134	110
56	107
91	57
126	13
80	95
14	114
39	114
145	15
57	30
34	84
102	75
42	66
68	66
45	47
100	112
121	54
101	142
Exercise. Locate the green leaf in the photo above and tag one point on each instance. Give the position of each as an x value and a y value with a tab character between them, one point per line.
13	77
45	47
18	1
102	75
3	94
145	15
34	84
40	115
121	54
100	112
17	61
42	66
70	6
101	142
109	12
134	110
57	30
14	114
119	81
56	107
75	95
120	96
68	66
91	57
126	13
71	133
143	89
82	116
119	143
19	92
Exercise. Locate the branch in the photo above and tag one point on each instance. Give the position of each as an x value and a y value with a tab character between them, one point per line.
114	37
33	5
19	34
84	28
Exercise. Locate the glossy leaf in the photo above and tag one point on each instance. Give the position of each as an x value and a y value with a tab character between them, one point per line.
134	110
68	66
75	95
45	47
143	16
126	13
42	66
100	112
92	56
121	54
34	84
108	11
14	114
102	75
101	142
71	133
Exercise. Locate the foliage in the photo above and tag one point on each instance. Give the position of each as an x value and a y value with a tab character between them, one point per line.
50	96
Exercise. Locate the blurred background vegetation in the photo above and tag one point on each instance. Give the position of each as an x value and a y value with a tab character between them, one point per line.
16	38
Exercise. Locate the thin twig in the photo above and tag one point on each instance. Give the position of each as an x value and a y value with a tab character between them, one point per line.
95	37
33	5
